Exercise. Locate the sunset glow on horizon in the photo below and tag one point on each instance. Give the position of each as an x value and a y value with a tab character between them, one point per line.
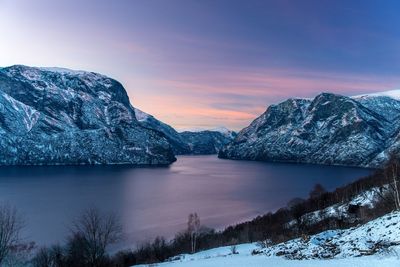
204	64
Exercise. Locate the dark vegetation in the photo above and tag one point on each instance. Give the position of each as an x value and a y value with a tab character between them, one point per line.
90	236
93	233
10	228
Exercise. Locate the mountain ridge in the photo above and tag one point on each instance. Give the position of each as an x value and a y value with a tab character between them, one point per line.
329	129
52	117
203	142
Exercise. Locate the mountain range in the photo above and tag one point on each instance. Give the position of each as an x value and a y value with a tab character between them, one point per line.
195	142
60	116
328	129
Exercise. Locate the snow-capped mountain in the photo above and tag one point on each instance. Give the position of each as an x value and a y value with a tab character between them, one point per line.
196	142
384	103
60	116
225	131
221	129
329	129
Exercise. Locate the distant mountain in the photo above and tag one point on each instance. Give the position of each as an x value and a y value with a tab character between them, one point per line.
221	129
196	142
225	131
206	142
60	116
329	129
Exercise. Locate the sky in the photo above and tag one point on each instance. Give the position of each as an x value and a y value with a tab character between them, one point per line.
210	63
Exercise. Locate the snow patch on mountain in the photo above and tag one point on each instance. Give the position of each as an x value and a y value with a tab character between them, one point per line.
395	94
140	115
220	129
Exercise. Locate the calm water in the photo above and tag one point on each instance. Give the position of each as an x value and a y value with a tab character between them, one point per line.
156	201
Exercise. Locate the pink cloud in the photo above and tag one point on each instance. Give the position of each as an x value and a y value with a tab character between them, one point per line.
235	97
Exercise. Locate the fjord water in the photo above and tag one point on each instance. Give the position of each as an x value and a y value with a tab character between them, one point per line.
157	201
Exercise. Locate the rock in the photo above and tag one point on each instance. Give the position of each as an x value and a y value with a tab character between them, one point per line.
329	129
59	116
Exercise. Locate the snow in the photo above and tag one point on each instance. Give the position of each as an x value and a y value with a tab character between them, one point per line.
372	237
192	129
329	248
89	78
255	261
395	94
221	129
340	210
66	71
29	114
140	115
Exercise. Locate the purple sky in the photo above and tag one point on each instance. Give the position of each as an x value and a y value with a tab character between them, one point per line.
208	63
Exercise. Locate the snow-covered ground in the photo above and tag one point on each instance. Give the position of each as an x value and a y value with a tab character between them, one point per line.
376	243
340	210
255	261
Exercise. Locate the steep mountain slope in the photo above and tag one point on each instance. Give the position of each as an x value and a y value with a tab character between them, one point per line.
330	129
59	116
178	145
188	142
385	103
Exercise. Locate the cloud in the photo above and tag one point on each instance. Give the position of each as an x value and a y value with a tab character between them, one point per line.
235	97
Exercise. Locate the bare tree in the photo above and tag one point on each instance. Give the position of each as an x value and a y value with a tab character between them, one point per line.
93	232
10	227
50	257
388	192
193	229
392	174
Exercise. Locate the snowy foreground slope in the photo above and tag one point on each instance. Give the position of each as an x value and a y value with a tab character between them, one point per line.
376	243
60	116
329	129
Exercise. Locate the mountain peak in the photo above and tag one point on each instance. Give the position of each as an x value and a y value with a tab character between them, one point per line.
35	72
395	94
141	115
